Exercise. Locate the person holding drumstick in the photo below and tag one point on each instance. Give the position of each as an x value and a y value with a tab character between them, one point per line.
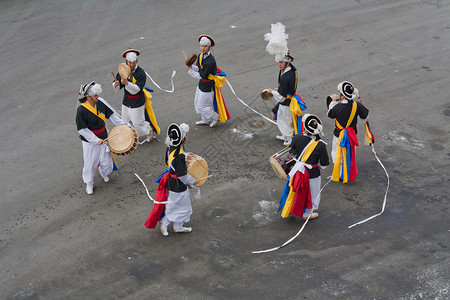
345	113
287	86
173	185
301	195
204	94
133	104
90	120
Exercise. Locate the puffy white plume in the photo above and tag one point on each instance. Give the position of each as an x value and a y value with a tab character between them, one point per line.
277	39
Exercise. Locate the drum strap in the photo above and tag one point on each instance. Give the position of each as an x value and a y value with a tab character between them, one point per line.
93	110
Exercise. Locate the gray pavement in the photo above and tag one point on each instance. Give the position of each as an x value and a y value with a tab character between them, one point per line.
58	242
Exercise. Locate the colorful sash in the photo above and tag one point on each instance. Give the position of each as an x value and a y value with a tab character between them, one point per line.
345	151
297	107
219	103
296	194
370	138
162	193
149	113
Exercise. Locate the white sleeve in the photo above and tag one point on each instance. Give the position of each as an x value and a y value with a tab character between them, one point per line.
332	104
116	119
193	72
116	88
89	136
132	88
187	179
320	166
277	96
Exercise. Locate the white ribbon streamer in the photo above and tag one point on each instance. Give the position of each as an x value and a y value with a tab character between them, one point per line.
255	111
385	195
171	81
148	194
298	233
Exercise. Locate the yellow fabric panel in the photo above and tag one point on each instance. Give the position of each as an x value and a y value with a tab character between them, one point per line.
169	161
93	110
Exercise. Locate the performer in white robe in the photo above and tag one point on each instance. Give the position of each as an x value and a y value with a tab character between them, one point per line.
90	120
204	94
178	209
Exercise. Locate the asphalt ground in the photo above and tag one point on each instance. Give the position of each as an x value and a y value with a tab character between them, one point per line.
58	242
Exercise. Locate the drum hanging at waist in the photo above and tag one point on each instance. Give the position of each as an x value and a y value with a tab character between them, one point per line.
282	162
123	140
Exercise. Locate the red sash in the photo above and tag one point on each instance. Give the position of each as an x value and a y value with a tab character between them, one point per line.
98	131
161	196
300	184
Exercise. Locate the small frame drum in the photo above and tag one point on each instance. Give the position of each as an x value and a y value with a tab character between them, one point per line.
197	168
265	95
282	162
191	60
124	70
123	140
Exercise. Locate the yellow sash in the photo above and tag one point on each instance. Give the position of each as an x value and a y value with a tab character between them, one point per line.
148	107
171	156
296	112
93	110
290	199
350	119
200	59
342	151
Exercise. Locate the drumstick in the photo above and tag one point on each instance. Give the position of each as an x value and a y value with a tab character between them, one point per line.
110	137
209	176
184	53
114	76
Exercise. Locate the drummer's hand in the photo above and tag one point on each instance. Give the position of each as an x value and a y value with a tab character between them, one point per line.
195	183
116	83
100	142
269	91
189	67
276	89
124	81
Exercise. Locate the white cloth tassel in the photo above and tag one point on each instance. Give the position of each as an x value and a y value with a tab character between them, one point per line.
167	91
245	104
385	195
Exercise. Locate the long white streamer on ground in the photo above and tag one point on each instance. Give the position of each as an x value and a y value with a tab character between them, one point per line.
298	233
385	195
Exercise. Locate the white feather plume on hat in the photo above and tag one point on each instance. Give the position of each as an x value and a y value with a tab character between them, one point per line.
277	39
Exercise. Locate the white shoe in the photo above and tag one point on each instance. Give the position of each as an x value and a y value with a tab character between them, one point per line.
214	123
183	229
313	216
89	190
280	138
201	123
287	143
106	179
163	229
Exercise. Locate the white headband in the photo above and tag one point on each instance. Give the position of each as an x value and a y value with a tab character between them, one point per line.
95	89
204	41
131	56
